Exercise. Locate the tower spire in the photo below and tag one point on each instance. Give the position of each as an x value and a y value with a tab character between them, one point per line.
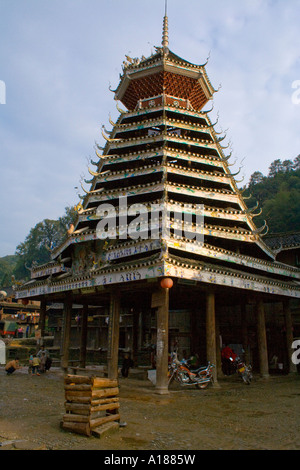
165	35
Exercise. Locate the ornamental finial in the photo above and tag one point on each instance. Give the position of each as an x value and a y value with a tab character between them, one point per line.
165	36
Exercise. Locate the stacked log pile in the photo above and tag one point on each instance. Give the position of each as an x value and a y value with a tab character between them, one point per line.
91	402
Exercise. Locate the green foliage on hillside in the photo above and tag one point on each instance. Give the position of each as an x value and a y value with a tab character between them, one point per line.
7	266
278	195
36	247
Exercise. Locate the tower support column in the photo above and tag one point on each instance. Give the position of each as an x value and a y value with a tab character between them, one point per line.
135	333
66	332
42	319
162	340
289	335
113	336
83	336
262	339
211	346
245	339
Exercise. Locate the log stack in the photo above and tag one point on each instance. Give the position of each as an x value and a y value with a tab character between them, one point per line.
91	402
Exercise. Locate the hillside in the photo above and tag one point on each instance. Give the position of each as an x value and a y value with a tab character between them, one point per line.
278	196
7	266
35	248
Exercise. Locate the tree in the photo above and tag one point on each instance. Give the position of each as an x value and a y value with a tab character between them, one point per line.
287	165
275	168
256	178
282	212
297	163
42	238
7	265
278	196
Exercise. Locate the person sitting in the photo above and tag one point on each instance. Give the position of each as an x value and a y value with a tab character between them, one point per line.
11	366
194	361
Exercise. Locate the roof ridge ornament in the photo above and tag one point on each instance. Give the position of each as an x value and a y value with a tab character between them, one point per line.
165	35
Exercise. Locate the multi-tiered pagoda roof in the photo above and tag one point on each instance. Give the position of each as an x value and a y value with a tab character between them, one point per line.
164	150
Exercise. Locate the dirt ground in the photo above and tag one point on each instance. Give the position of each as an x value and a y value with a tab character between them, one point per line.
264	415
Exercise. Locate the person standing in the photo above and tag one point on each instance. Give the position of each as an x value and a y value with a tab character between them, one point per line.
43	351
20	332
35	365
43	360
228	357
127	363
48	360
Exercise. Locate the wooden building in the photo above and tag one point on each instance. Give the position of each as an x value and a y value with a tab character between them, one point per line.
286	247
163	228
22	317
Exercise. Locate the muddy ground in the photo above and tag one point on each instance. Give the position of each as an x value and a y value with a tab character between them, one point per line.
264	415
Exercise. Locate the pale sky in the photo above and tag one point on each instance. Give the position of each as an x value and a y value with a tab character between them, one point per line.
58	58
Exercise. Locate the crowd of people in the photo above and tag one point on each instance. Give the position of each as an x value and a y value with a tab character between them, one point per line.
39	363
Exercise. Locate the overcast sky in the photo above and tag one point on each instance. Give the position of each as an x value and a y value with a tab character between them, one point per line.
58	58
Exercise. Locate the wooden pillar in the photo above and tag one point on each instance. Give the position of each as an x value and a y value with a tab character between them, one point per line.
211	349
162	341
245	340
218	349
135	332
289	334
194	331
113	336
66	331
42	319
262	340
83	336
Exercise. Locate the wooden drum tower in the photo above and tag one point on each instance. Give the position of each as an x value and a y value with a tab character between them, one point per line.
163	225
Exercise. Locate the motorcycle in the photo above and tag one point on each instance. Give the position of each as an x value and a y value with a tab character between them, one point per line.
185	376
243	370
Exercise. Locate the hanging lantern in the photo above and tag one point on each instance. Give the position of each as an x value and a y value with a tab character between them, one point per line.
166	283
25	301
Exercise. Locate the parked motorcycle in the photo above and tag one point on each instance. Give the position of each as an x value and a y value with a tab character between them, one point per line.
185	376
243	370
232	363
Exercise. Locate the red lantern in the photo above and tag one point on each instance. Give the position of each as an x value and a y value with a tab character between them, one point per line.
25	301
166	283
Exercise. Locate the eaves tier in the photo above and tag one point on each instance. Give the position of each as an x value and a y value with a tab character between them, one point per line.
164	152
